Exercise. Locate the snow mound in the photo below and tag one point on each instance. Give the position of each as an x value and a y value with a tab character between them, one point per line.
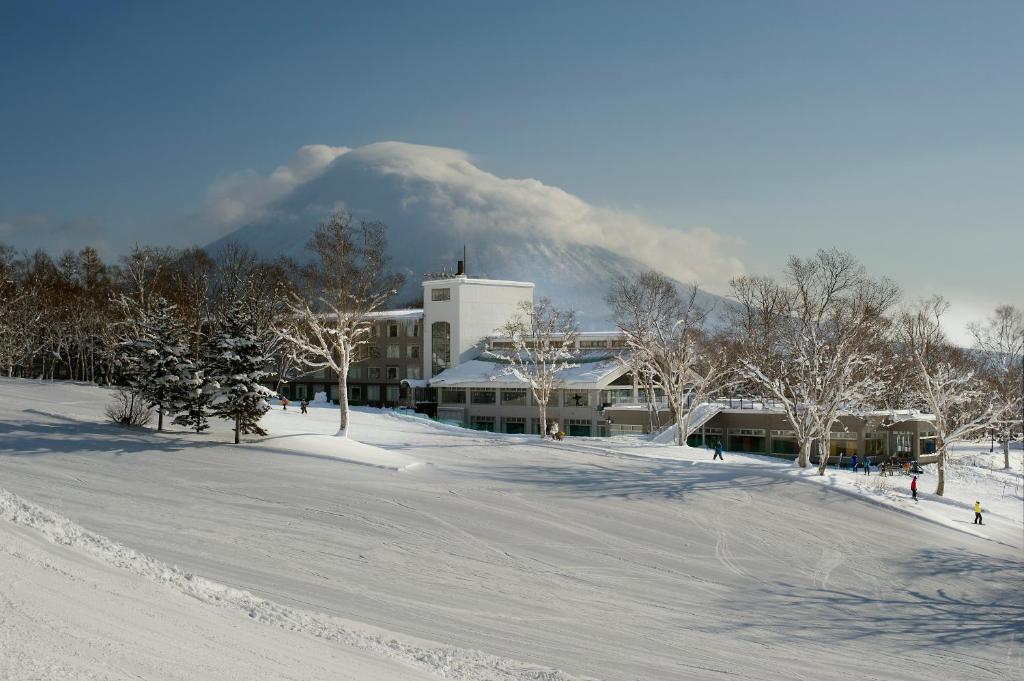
340	449
445	661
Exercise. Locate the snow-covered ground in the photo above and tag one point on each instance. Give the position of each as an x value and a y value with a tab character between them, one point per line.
456	554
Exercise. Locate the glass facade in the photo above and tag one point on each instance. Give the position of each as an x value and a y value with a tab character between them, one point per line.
514	397
453	395
440	345
576	398
751	440
481	396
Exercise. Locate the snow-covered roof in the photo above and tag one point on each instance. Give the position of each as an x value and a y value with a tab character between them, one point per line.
479	373
408	313
414	382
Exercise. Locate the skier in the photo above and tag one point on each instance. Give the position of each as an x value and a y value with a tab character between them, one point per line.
303	405
718	451
913	487
853	463
977	513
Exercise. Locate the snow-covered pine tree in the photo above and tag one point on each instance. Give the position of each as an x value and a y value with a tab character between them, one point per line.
155	360
196	403
238	364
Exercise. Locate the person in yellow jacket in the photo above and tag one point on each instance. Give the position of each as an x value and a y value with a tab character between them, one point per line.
977	513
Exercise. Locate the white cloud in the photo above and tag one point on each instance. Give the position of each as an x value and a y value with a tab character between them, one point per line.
436	189
241	197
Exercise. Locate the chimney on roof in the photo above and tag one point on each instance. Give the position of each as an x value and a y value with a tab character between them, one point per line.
462	269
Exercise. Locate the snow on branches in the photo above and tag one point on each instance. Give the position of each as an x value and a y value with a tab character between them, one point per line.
815	342
666	344
543	343
329	321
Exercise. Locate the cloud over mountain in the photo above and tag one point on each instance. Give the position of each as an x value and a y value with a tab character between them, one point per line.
423	190
434	200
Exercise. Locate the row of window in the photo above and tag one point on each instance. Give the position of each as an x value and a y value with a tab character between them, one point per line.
510	396
389	373
393	329
356	393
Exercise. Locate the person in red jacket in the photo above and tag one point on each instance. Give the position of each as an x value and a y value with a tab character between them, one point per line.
913	487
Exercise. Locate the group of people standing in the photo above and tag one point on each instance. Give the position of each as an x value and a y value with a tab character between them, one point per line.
303	404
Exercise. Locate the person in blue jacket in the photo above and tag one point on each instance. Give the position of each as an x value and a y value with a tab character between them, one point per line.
718	451
853	463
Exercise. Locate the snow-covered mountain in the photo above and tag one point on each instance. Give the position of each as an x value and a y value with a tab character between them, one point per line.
435	201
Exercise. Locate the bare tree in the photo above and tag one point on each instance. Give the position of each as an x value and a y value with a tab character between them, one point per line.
327	323
1000	345
944	385
543	344
813	343
663	334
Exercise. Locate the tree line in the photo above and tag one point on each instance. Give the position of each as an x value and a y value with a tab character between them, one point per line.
821	340
825	339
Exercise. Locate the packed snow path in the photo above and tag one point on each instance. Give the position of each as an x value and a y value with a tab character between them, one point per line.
616	567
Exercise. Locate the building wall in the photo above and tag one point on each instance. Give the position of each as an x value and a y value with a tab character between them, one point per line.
370	381
561	409
475	309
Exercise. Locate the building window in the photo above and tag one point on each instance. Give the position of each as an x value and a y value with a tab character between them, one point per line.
392	329
413	372
705	437
394	351
593	344
441	294
412	329
486	423
373	373
393	393
513	397
355	393
440	346
355	372
618	343
579	428
481	396
515	425
576	398
453	395
503	345
392	373
412	351
373	393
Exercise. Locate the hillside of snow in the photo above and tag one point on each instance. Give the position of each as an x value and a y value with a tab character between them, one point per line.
426	551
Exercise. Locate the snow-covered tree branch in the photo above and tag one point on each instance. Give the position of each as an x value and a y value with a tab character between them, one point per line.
543	341
330	319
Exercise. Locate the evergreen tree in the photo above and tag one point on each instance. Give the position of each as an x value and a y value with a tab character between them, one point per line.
238	364
156	360
199	394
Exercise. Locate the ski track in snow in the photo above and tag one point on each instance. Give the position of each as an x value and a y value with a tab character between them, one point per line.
612	559
446	661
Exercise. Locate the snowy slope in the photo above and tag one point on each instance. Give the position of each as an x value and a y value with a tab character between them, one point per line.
586	557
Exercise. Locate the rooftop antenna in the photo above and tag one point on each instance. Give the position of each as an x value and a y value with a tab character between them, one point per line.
465	265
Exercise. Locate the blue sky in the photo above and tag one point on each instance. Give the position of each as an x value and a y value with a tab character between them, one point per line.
891	129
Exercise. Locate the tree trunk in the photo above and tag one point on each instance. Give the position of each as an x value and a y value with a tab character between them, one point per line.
343	400
681	423
822	455
159	417
238	427
1006	451
805	452
543	407
941	465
